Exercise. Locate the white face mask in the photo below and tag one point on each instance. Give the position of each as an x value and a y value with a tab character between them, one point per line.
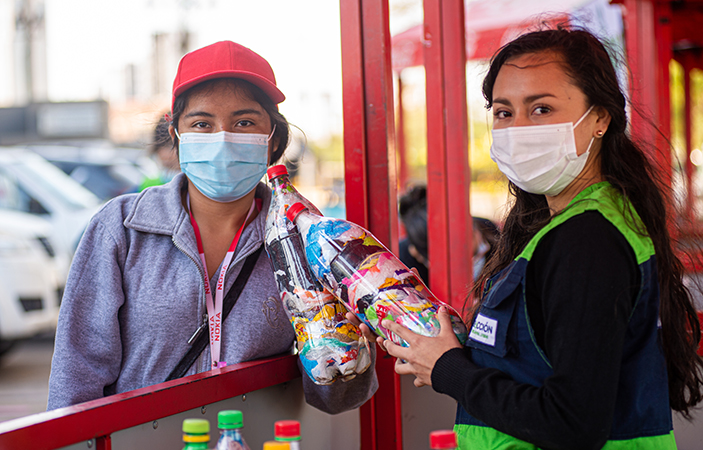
539	159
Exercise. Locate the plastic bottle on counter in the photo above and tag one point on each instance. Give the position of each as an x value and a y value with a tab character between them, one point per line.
276	445
196	434
369	279
443	440
329	346
288	431
230	424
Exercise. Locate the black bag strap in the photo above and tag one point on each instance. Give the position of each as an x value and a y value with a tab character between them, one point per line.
203	333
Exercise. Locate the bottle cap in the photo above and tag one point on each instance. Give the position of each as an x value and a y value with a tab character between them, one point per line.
276	445
294	210
287	430
196	430
442	439
228	420
276	171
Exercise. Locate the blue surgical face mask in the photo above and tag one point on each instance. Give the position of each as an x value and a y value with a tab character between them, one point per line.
224	166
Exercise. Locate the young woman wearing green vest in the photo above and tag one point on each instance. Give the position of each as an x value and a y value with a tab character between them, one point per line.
585	336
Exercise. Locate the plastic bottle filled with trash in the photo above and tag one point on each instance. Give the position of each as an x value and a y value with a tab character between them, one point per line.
368	278
329	346
230	424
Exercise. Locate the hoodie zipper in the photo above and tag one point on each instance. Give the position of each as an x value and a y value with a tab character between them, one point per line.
203	324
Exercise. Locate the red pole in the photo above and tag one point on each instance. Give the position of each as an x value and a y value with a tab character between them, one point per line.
688	125
458	180
641	51
400	135
370	177
630	23
448	179
356	197
437	220
103	443
664	52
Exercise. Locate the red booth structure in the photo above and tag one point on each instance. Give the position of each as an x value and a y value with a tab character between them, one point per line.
656	32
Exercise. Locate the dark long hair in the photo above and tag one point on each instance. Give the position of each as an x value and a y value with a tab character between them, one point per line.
625	166
282	131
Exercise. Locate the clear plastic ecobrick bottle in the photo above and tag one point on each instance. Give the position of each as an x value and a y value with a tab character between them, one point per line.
329	346
288	431
369	279
230	424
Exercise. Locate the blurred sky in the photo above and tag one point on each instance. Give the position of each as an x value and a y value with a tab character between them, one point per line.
90	42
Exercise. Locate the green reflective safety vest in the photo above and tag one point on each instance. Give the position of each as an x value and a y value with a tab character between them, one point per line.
501	337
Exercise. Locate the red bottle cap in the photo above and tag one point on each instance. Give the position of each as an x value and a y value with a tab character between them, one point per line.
286	429
276	171
445	439
294	210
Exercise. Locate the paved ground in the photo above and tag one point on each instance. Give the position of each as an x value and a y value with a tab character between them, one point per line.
24	378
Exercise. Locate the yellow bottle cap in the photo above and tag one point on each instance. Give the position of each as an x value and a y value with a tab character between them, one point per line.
276	445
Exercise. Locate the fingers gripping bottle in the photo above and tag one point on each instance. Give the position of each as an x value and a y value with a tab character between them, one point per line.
196	434
329	347
443	440
230	424
288	431
368	278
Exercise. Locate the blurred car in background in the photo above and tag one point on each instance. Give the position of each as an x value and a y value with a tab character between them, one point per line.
30	184
32	277
104	170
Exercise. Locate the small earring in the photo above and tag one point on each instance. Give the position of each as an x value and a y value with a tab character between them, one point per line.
600	133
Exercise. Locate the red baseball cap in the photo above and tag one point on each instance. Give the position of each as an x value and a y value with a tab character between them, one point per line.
225	59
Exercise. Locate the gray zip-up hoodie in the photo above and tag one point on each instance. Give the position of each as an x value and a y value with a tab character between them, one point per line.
135	295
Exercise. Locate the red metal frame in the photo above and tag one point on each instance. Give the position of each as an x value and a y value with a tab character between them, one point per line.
641	56
354	112
400	136
98	419
688	128
370	176
448	178
664	54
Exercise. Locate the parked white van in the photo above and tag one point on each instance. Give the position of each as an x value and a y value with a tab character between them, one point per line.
30	184
32	277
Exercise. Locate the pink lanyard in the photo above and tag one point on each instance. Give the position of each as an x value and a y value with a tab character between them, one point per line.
214	309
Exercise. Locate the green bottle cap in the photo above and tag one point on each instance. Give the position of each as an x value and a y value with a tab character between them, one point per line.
228	420
196	430
196	426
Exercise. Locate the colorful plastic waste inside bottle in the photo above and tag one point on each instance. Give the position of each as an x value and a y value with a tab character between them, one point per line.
443	440
329	346
288	431
276	445
196	434
230	424
368	278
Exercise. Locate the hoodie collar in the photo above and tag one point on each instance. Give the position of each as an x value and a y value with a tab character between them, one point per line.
159	210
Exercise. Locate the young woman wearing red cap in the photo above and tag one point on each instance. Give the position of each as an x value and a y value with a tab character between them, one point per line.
153	269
